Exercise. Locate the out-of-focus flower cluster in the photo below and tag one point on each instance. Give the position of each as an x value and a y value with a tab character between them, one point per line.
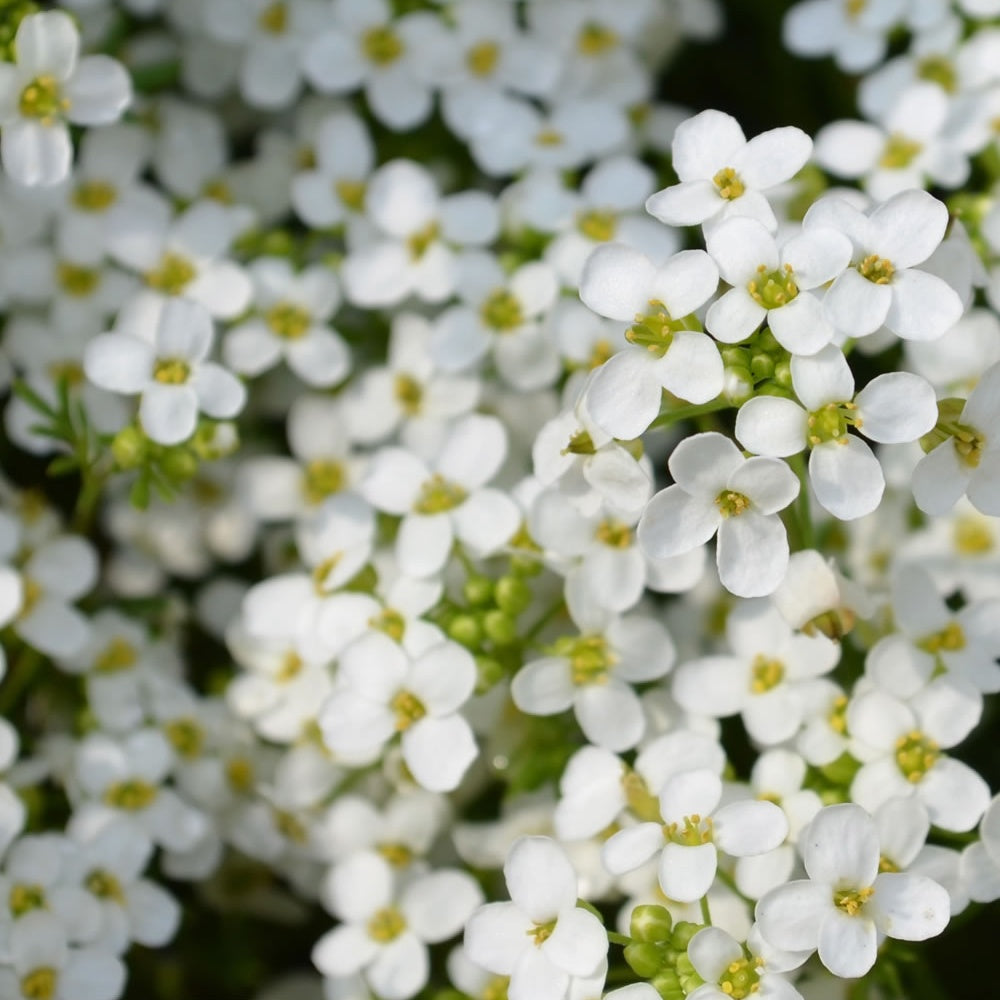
441	436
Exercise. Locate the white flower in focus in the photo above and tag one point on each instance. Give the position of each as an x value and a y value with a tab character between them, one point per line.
731	969
541	938
846	902
169	370
722	175
47	87
716	489
670	350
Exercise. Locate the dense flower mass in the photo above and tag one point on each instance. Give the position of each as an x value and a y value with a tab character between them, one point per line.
474	529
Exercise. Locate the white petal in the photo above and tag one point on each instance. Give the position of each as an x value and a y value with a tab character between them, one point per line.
790	916
400	969
909	907
624	396
857	306
543	687
692	368
540	878
923	306
685	282
735	316
119	363
439	904
578	944
169	413
687	873
823	378
897	407
747	828
841	847
610	716
631	848
771	425
674	522
847	944
752	553
616	282
496	936
99	91
846	477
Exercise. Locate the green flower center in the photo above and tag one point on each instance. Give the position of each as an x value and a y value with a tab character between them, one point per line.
741	978
94	196
765	674
854	8
273	19
951	639
729	184
80	282
655	330
899	152
482	59
386	925
496	988
398	855
291	667
240	774
938	70
773	289
381	45
321	573
288	321
419	242
117	656
851	901
438	495
614	534
186	736
549	137
322	477
598	226
132	795
39	984
595	39
540	933
590	658
25	898
501	311
104	885
837	719
351	193
692	831
171	371
173	275
408	708
916	754
731	503
42	99
830	423
877	270
972	537
409	394
580	443
639	799
391	622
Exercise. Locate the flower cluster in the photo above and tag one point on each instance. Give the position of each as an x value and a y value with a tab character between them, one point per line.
436	470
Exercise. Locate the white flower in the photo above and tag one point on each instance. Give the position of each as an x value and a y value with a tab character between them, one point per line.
386	927
48	86
883	286
717	490
170	371
845	474
846	902
695	827
855	35
722	175
731	969
670	350
541	938
774	285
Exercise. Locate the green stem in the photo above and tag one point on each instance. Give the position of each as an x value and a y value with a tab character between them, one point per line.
678	413
706	913
801	509
19	678
615	938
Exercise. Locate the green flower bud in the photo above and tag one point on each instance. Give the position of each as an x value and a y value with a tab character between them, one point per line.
179	464
668	985
478	590
645	959
129	447
500	627
651	922
466	630
513	595
682	934
488	673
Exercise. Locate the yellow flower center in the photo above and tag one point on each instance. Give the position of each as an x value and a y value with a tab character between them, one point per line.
80	282
70	372
290	827
854	8
773	289
916	754
692	831
39	984
851	901
614	534
288	321
972	536
118	655
599	353
322	477
741	978
899	152
643	804
496	988
837	719
731	503
951	639
408	708
598	226
729	184
42	99
765	674
655	330
94	196
438	495
391	622
398	855
171	371
321	573
25	898
351	193
409	394
186	736
386	925
419	242
590	658
381	45
830	423
549	137
273	19
104	885
595	39
938	70
32	595
482	58
887	864
291	667
501	311
540	933
240	774
132	795
877	270
173	275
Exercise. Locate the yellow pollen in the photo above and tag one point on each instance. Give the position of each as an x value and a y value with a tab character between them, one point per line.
290	827
173	275
598	226
595	39
599	353
887	865
42	99
240	774
692	833
899	152
501	311
39	984
25	898
118	655
837	719
322	571
274	19
852	900
549	137
438	495
741	978
409	393
381	45
938	70
408	708
732	504
419	242
854	8
70	372
94	196
729	184
291	667
288	321
322	477
186	736
482	58
104	885
642	803
590	658
950	639
916	754
766	674
614	534
80	282
398	855
877	270
351	193
971	536
495	989
218	190
131	795
773	289
540	933
830	423
171	371
391	622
